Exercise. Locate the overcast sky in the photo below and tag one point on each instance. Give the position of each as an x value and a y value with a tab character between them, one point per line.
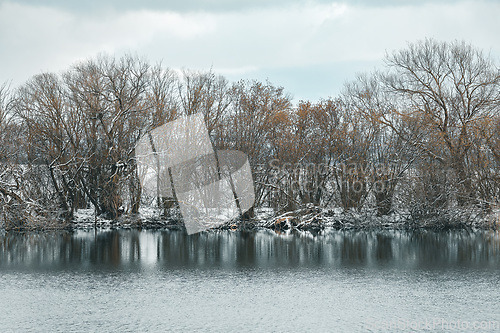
309	47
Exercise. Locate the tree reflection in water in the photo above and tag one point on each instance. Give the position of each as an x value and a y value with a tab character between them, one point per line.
132	249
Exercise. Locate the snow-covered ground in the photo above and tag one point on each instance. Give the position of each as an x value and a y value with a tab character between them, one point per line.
308	218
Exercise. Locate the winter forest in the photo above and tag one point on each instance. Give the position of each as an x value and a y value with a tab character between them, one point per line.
419	138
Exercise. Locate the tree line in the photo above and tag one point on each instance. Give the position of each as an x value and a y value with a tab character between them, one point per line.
420	135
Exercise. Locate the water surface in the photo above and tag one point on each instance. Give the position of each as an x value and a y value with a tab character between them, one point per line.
250	281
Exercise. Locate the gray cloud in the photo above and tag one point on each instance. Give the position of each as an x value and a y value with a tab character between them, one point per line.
93	6
310	48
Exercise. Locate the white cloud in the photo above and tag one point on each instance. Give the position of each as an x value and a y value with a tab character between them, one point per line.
236	71
35	39
315	34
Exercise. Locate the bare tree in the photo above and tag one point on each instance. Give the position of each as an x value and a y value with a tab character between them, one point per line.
162	97
451	87
110	98
41	104
392	152
208	93
256	122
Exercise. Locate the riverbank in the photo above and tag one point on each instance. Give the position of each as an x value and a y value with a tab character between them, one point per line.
312	219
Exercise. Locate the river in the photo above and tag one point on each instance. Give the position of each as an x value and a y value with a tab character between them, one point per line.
225	281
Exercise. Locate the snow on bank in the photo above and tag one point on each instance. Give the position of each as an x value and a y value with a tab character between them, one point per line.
310	218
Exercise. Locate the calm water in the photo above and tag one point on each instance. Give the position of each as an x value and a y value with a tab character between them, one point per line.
260	281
